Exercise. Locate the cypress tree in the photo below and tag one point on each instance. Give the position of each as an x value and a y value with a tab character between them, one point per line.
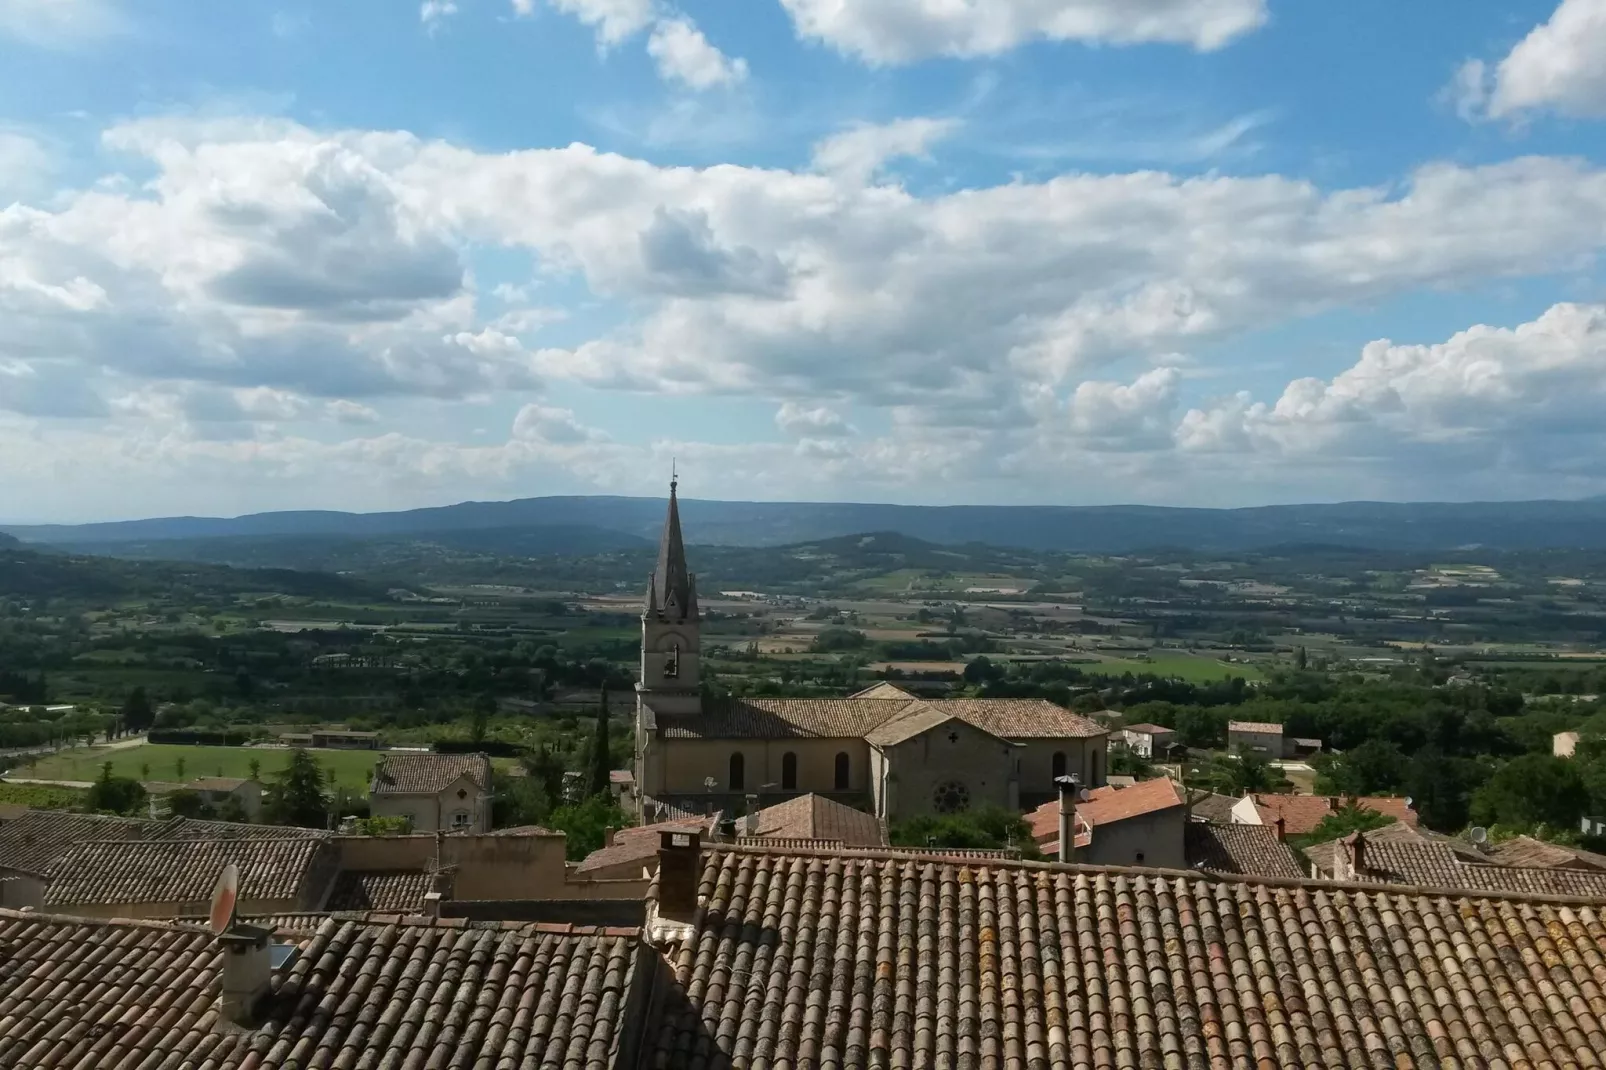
601	763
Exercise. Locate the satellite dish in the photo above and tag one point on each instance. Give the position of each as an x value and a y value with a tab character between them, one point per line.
1409	802
1478	835
224	898
1083	795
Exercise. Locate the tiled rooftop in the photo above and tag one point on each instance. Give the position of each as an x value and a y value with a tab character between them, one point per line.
638	845
94	995
814	817
194	828
1106	805
428	774
1323	857
1208	806
1435	865
1246	850
1527	851
814	960
1258	727
858	717
181	871
389	889
37	840
1302	813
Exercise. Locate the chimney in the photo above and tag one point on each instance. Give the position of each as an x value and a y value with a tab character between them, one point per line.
1068	790
679	869
1282	828
1352	857
607	835
432	904
247	970
750	826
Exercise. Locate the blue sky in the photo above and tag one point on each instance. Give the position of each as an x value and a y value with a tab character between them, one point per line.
382	253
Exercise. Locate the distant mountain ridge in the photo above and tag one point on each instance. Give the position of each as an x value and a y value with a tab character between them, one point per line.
616	522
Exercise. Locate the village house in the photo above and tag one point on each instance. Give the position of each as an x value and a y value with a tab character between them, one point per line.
1137	826
434	792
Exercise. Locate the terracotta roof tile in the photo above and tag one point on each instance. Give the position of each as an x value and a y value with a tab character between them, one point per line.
1302	813
217	783
815	817
1247	850
639	844
85	995
389	889
1149	729
183	871
1106	805
1323	856
194	828
37	840
1435	865
428	774
870	961
858	717
1209	806
1527	851
1264	727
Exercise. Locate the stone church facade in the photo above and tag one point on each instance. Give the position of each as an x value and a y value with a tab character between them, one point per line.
882	749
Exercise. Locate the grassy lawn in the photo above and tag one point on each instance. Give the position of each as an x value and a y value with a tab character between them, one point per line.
1181	665
350	768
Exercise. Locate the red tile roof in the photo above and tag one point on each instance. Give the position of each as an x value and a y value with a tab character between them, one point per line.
1106	805
814	817
428	774
1302	813
858	717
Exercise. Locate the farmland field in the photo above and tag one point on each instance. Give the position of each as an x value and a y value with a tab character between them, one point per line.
350	769
1184	666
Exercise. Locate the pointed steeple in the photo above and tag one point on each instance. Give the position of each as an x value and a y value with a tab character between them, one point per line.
672	594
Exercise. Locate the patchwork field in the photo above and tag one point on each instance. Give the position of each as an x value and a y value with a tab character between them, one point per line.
350	769
1182	665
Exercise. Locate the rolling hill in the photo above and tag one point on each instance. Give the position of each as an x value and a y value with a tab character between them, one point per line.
560	524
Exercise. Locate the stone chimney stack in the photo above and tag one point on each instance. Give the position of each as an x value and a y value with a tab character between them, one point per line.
247	970
750	824
1068	787
679	870
1282	828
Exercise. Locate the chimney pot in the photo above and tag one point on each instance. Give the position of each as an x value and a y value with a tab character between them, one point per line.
607	835
432	904
1068	787
679	869
1282	828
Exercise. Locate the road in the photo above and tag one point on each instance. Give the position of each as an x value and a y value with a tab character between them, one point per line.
48	783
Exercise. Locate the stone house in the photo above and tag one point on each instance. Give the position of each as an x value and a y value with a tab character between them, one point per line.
1263	739
1138	826
1148	740
435	792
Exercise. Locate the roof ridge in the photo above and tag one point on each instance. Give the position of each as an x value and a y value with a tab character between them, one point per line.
915	854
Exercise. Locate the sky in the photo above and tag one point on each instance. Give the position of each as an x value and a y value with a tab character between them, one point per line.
379	254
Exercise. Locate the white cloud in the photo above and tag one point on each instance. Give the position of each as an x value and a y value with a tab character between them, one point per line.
59	23
862	150
613	20
817	422
684	55
25	164
270	274
433	12
1488	396
1561	65
903	31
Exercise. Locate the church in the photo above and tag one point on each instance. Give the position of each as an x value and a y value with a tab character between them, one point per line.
883	749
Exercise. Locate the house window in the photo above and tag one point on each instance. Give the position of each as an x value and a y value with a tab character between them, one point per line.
738	777
788	771
842	771
1059	764
460	819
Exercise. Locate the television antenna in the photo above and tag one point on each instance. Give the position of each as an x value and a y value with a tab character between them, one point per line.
225	899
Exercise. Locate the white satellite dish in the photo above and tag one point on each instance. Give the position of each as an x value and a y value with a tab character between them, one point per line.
225	897
1409	802
1478	835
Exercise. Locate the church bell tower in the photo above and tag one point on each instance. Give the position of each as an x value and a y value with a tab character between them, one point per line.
670	626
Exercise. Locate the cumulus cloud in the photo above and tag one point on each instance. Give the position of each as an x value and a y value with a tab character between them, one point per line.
613	20
862	150
273	274
903	31
684	55
817	422
1487	394
1560	65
